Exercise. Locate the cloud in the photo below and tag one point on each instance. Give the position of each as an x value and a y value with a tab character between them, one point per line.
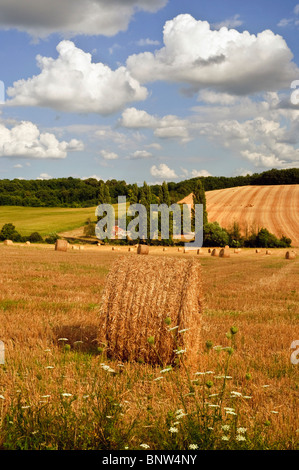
167	127
200	173
226	60
72	83
292	21
233	22
147	42
26	141
109	155
44	176
163	172
73	17
141	155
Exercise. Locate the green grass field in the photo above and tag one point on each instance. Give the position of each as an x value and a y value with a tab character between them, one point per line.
45	219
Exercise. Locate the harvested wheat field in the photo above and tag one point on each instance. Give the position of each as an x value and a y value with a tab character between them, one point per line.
60	390
273	207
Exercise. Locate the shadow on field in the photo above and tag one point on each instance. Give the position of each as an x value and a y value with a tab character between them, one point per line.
79	337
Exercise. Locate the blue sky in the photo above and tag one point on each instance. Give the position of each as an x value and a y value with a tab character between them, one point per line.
148	90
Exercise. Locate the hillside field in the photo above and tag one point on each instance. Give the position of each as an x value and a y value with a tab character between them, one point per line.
254	207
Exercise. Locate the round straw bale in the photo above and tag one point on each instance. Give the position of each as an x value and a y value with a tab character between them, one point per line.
164	249
143	250
257	251
61	245
199	251
8	242
224	253
27	243
290	255
268	252
226	247
179	249
215	252
209	250
75	247
139	296
81	247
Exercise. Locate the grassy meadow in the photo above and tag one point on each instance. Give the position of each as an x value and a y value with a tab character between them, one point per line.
45	220
59	391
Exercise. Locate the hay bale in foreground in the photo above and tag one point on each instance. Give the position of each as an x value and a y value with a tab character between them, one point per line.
139	296
143	250
290	255
215	252
8	242
224	253
61	245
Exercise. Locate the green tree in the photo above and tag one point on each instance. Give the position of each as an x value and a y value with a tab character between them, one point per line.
199	197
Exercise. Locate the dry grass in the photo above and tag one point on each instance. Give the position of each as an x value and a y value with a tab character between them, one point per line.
44	298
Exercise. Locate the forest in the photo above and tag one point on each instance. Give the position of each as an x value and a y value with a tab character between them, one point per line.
75	192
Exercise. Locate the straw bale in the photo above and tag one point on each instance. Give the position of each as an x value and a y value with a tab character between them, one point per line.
268	252
215	252
81	247
224	253
164	249
137	299
179	249
27	243
290	255
209	250
8	242
143	250
75	247
257	251
61	245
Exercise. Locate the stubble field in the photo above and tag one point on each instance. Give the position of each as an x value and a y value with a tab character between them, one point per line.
59	391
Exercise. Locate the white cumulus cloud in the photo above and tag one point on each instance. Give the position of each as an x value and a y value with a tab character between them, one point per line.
72	83
226	60
71	17
25	140
163	171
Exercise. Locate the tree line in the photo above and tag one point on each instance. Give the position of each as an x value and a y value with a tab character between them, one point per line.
74	192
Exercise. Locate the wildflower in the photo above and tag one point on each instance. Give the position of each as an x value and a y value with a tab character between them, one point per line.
199	373
247	397
193	446
217	348
151	340
2	397
229	409
45	396
210	428
183	331
167	320
144	446
225	427
274	412
231	413
49	367
25	407
62	339
214	406
234	330
241	430
209	372
66	394
225	438
47	350
213	395
158	378
180	414
165	370
239	437
265	386
180	351
173	429
209	344
223	377
85	396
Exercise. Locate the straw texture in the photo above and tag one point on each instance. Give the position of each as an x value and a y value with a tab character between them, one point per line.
139	296
61	245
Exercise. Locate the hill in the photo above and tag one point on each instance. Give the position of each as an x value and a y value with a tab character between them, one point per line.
275	207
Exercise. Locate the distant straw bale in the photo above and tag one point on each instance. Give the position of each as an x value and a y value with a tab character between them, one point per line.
81	247
27	243
224	253
8	242
143	250
179	249
164	249
61	245
75	247
290	255
209	250
139	296
215	252
268	252
257	251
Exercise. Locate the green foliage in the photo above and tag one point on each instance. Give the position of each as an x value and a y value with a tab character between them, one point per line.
8	232
35	237
52	238
214	235
89	229
265	239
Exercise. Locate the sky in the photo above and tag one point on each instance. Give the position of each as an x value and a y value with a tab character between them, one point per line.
148	90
